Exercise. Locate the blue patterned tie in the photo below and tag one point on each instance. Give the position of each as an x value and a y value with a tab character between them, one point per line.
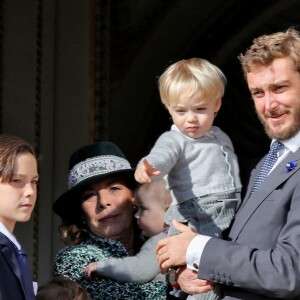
26	274
268	163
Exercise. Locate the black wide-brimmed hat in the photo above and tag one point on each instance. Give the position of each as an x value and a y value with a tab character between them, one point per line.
87	165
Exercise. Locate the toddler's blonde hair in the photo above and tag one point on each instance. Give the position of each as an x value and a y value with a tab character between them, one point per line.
186	77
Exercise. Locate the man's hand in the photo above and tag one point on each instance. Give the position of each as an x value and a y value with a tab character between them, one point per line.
145	171
190	283
171	251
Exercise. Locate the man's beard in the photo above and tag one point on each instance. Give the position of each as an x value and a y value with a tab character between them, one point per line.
285	133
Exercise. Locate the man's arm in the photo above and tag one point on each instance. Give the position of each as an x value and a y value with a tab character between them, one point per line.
265	258
174	249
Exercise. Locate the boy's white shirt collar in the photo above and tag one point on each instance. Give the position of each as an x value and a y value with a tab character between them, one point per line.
9	235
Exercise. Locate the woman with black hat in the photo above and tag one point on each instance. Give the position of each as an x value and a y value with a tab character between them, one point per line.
98	221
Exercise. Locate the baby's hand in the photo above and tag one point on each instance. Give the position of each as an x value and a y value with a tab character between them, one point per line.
92	267
145	171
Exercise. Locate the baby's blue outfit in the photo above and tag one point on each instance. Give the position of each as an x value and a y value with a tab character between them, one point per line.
203	177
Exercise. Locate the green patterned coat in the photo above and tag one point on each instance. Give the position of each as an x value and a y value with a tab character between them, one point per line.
71	261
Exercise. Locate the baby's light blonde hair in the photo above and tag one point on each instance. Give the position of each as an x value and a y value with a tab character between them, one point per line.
157	191
187	77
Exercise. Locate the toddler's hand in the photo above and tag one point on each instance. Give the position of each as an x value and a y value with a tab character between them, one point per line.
92	267
145	171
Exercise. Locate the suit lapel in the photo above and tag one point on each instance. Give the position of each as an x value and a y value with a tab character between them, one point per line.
253	176
271	183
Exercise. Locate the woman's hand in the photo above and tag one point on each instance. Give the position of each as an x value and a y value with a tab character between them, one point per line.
92	267
171	251
190	283
145	171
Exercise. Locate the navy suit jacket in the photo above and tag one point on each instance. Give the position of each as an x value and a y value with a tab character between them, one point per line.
11	286
261	258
